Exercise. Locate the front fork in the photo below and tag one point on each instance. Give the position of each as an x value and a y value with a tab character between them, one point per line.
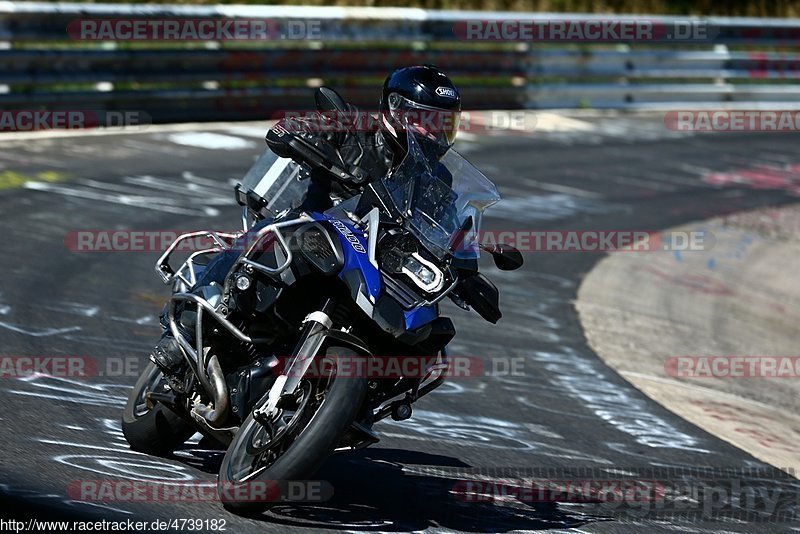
314	327
317	327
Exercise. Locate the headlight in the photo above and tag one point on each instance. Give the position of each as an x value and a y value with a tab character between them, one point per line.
423	273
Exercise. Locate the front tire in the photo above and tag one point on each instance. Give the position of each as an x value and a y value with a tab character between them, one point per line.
152	429
303	455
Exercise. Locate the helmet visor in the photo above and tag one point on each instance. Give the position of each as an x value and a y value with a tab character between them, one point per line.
436	125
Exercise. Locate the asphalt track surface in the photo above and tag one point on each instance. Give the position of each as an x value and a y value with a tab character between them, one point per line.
564	409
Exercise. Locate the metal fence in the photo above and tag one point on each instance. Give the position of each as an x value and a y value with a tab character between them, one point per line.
47	63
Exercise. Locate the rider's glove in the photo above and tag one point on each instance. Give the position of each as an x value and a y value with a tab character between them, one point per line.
280	136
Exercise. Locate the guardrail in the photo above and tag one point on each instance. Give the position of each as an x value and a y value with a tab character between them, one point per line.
48	63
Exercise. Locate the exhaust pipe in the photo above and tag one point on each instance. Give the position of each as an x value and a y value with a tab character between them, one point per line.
203	413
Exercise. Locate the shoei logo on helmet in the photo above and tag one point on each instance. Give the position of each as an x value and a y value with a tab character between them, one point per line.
449	92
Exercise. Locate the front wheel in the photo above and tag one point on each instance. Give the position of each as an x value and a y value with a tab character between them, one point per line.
294	446
152	428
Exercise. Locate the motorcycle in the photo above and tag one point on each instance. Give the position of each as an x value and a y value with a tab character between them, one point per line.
335	291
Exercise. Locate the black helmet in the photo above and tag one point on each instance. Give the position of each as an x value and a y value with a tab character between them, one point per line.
423	99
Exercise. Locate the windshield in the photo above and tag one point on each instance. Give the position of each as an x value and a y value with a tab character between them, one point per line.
443	200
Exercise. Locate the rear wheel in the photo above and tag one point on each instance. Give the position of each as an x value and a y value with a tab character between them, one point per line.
292	447
152	428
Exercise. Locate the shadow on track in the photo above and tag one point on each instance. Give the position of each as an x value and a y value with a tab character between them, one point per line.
374	491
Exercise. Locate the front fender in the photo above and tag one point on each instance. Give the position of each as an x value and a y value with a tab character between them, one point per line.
311	349
328	338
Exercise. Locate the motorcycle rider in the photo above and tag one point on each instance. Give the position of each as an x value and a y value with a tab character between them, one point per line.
417	100
421	98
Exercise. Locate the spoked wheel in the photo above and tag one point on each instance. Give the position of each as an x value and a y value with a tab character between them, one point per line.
149	427
292	446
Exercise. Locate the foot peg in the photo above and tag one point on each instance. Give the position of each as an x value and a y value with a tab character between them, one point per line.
401	411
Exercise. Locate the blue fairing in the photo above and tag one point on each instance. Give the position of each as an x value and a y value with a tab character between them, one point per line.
356	257
355	253
420	316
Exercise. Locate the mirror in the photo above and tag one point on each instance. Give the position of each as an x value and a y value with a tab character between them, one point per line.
331	104
327	100
506	257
